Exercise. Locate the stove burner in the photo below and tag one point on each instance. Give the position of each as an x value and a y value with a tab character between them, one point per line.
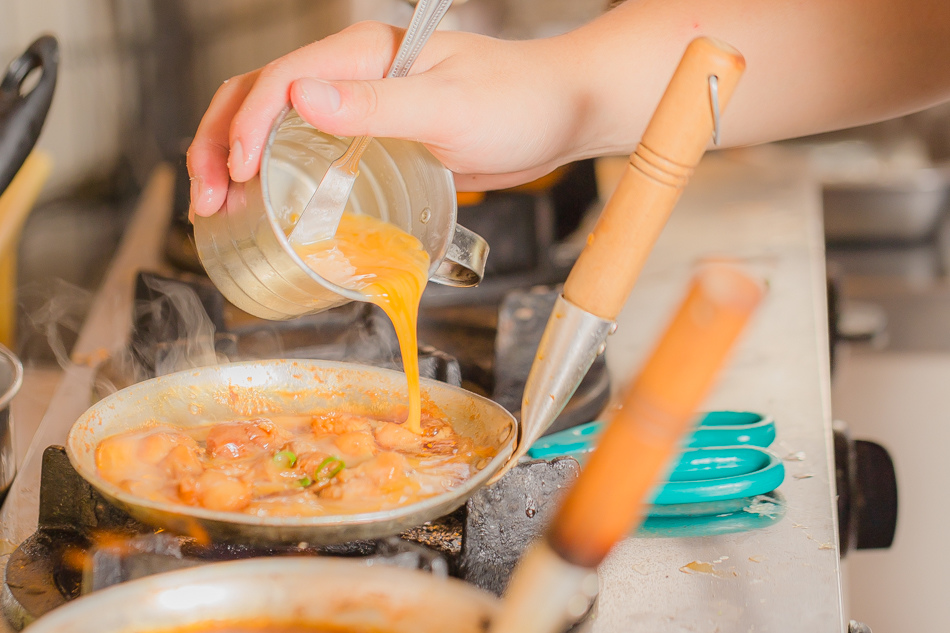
146	554
83	543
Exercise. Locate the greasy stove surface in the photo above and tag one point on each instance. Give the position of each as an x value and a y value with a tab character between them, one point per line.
83	543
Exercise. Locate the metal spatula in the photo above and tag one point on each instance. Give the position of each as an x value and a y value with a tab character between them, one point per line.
321	216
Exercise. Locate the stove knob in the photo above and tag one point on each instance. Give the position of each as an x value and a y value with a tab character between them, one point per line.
877	496
867	493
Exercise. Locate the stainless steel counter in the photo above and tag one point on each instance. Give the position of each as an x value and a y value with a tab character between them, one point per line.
754	204
760	206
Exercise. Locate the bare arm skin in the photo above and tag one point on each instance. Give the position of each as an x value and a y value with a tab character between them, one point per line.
499	113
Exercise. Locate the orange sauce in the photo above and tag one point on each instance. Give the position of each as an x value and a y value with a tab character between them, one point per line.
386	266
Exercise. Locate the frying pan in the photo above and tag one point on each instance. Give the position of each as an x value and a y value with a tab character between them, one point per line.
22	115
223	392
338	594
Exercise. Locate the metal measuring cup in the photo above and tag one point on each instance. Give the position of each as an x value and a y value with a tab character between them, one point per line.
244	246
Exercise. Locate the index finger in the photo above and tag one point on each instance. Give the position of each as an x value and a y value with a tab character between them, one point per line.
362	51
207	156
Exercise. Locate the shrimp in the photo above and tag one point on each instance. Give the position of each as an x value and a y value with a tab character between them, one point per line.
359	445
396	437
123	457
236	440
216	491
337	422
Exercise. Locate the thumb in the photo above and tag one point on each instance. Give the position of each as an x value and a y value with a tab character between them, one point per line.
395	108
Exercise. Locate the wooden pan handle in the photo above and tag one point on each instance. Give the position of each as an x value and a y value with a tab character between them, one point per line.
659	169
641	437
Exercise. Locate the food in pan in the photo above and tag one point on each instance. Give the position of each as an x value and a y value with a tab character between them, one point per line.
387	267
327	463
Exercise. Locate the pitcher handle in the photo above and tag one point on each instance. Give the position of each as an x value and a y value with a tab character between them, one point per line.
464	263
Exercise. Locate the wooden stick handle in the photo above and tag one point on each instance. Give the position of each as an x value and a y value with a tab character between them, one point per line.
659	169
608	498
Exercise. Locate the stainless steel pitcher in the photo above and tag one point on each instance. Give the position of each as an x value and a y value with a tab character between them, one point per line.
244	246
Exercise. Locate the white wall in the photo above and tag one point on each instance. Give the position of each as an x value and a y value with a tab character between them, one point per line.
81	131
95	104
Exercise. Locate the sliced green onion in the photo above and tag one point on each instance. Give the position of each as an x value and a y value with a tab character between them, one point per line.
335	465
304	481
287	459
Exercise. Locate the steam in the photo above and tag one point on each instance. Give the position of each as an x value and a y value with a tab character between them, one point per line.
182	335
175	330
172	331
52	315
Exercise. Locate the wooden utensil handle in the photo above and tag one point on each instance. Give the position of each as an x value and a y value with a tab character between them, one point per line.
641	437
659	169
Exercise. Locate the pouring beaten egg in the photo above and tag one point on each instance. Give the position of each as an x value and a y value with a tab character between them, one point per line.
389	268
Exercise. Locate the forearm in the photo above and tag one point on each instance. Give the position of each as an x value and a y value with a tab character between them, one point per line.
502	113
812	65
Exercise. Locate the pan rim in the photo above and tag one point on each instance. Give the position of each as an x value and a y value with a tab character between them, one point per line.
115	494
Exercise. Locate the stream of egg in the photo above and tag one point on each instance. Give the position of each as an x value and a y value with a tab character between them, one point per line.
387	267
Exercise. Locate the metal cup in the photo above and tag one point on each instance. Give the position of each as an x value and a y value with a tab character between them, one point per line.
244	246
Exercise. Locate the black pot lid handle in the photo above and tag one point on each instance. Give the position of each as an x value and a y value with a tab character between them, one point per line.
22	115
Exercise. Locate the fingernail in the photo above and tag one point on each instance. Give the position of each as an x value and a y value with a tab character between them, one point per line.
200	197
196	184
236	157
319	95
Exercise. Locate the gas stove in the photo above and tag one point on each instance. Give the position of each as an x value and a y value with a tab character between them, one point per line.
179	320
755	580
